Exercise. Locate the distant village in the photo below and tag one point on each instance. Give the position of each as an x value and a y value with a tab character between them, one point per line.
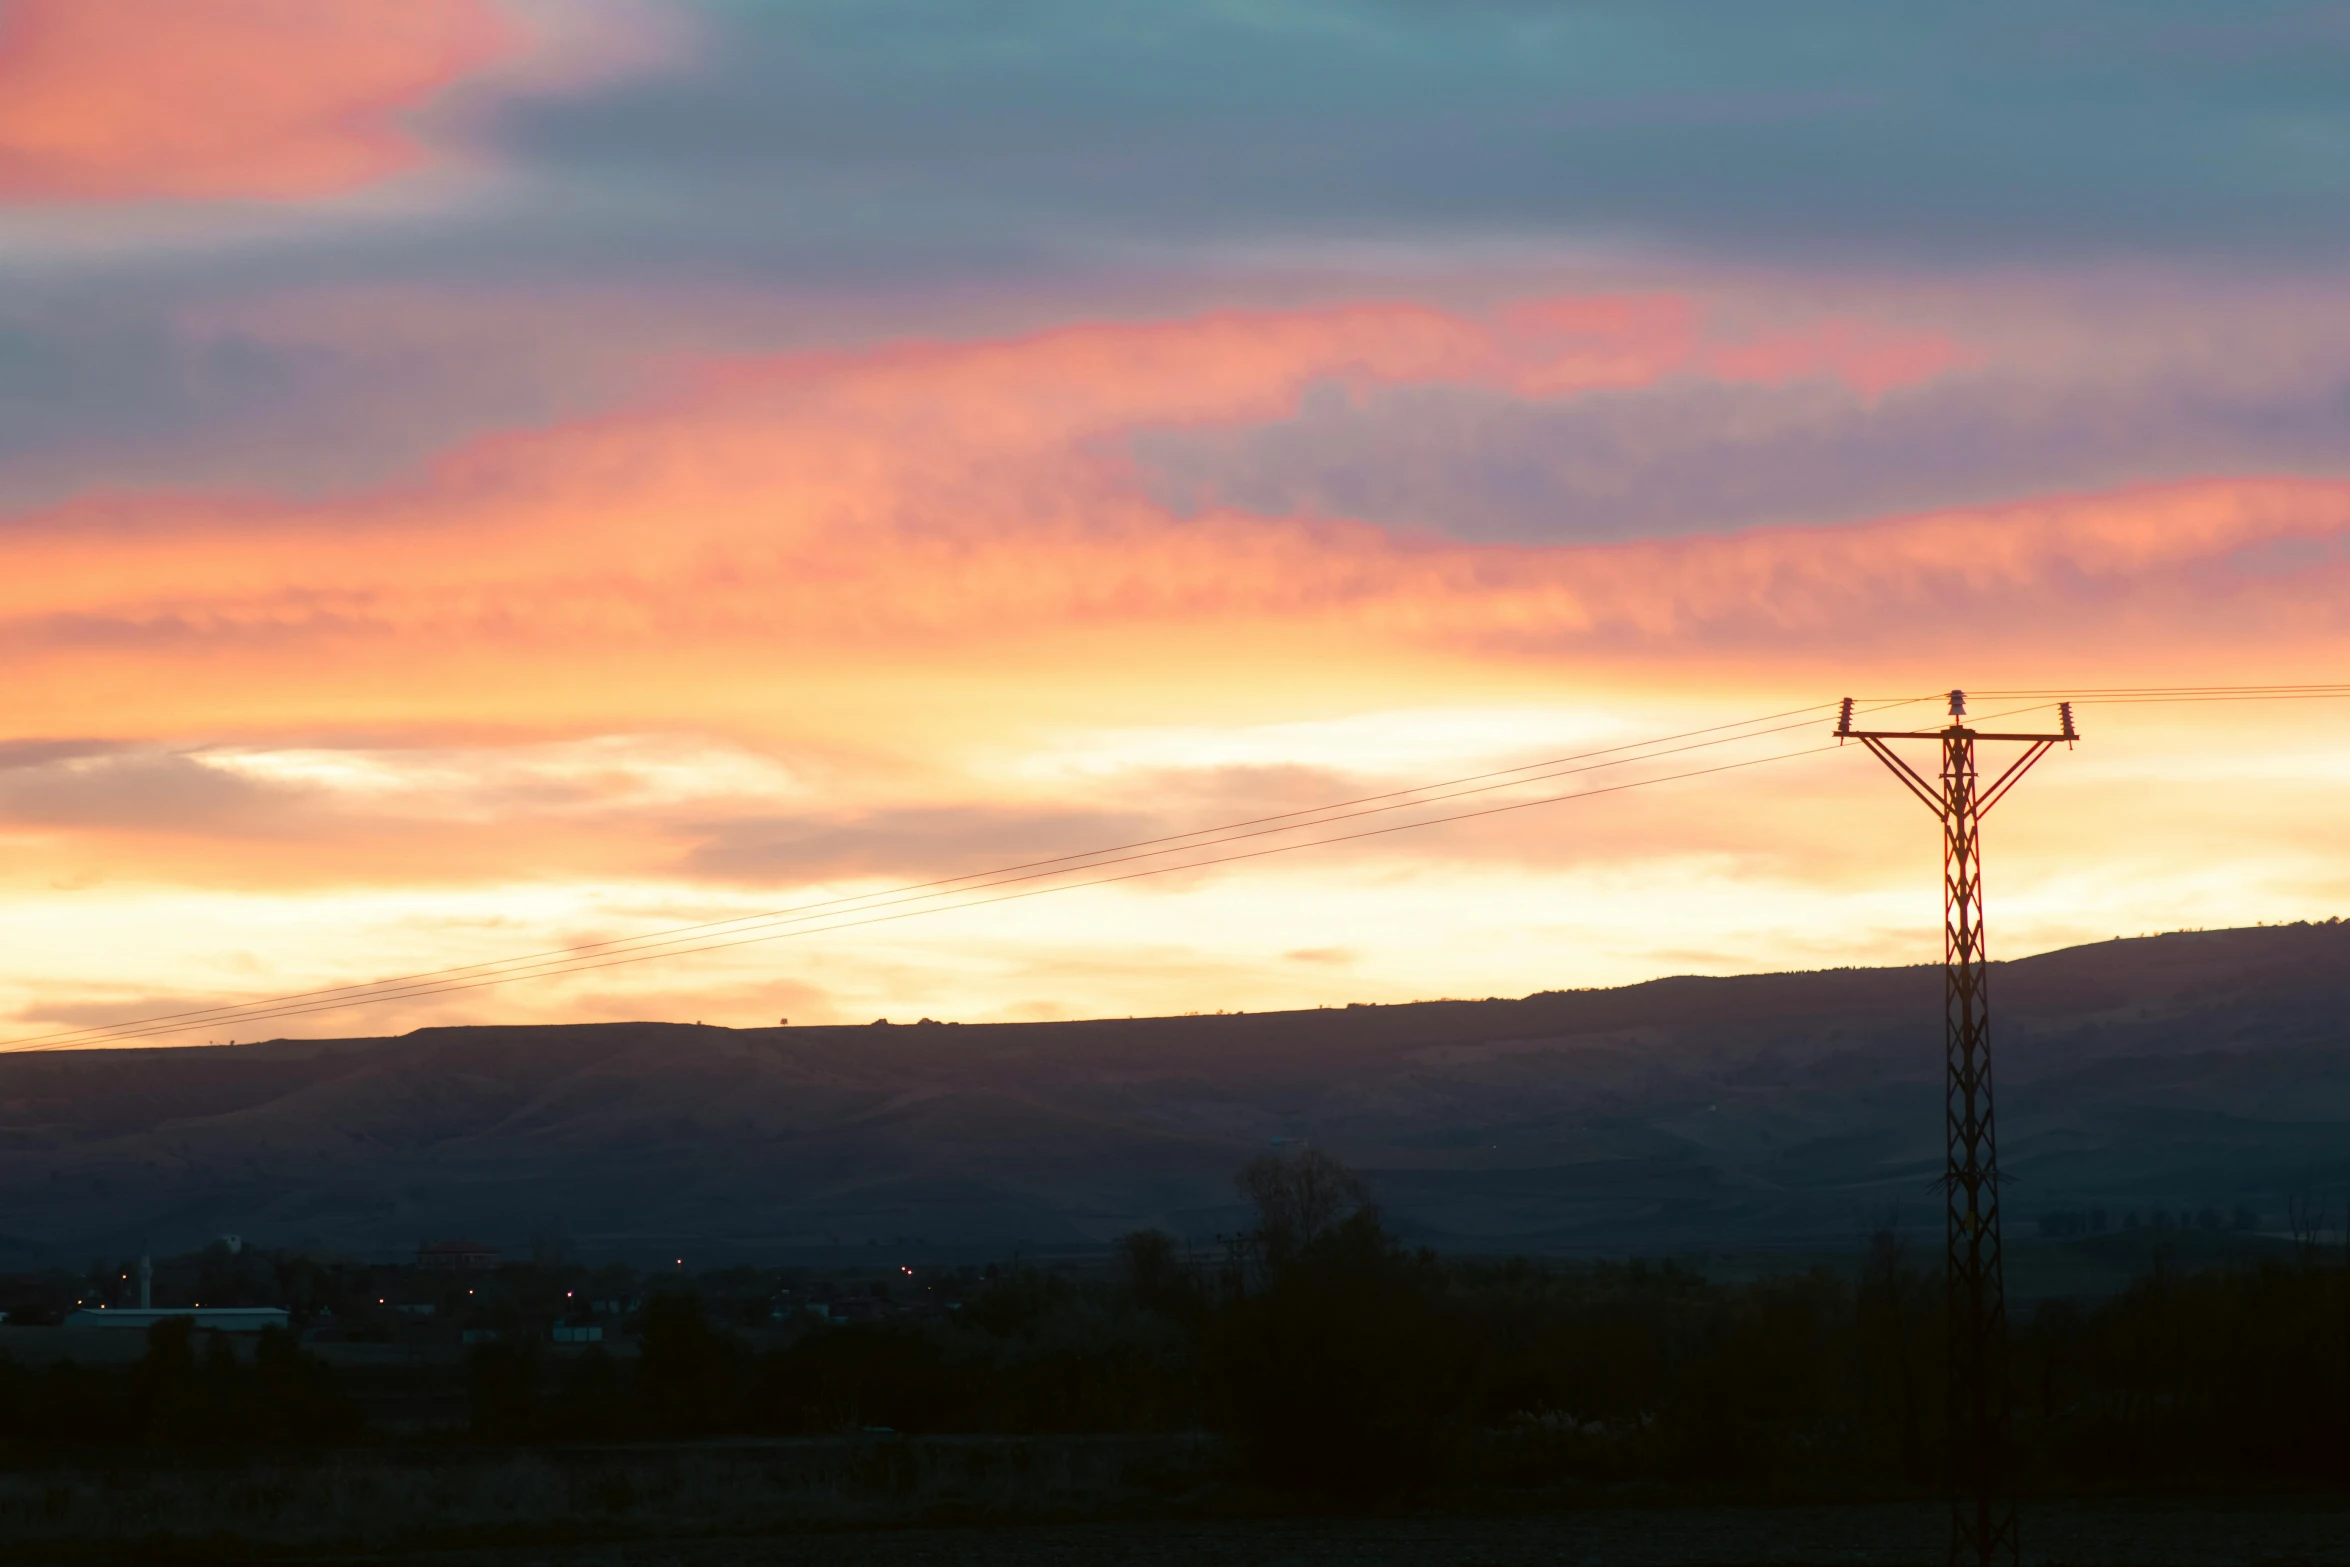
456	1291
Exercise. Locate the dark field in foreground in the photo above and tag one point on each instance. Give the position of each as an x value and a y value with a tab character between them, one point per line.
1244	1412
855	1502
2098	1534
2115	1534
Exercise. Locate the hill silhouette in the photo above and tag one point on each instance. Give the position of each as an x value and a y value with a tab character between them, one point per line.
2179	1072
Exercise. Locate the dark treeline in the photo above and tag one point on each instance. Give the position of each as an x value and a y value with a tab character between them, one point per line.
1337	1360
180	1394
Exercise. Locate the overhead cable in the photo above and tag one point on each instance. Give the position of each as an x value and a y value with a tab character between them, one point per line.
833	914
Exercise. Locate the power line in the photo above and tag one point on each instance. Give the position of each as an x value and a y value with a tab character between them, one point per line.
714	935
2240	693
2264	696
264	1011
535	965
852	911
524	965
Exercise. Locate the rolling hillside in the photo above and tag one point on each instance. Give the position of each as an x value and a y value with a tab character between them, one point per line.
1788	1110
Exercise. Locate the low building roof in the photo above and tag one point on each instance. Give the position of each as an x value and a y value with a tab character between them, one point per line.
228	1319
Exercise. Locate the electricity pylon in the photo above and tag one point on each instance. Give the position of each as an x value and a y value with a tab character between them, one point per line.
1982	1501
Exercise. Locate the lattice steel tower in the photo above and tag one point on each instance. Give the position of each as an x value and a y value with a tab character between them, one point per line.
1982	1501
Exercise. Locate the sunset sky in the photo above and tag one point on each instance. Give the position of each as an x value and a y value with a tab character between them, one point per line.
482	476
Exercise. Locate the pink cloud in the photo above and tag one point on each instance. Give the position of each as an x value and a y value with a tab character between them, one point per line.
1870	359
104	100
834	542
1615	342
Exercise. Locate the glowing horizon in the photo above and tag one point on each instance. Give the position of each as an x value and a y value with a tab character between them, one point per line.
466	503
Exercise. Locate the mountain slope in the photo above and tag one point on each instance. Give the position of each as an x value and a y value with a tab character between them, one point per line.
2190	1070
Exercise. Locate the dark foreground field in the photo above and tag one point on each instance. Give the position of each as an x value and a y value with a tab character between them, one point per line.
1321	1393
2106	1534
993	1503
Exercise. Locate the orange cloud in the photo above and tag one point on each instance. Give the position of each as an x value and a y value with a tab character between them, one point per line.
944	538
873	587
205	99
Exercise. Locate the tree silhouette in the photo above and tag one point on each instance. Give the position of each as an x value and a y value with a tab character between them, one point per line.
1298	1197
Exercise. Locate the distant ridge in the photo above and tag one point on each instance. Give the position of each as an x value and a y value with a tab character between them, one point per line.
2185	1071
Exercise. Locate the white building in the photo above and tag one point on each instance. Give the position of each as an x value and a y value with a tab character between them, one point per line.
225	1319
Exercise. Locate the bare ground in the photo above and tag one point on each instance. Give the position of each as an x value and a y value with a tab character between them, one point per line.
2111	1534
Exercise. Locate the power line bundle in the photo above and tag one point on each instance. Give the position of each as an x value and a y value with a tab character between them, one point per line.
1254	838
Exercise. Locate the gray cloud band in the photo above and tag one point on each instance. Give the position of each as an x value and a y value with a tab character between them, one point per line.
823	152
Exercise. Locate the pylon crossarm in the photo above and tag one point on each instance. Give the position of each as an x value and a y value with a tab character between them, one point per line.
1903	771
2008	780
1941	734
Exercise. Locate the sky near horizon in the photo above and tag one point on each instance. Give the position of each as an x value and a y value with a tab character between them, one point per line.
480	476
